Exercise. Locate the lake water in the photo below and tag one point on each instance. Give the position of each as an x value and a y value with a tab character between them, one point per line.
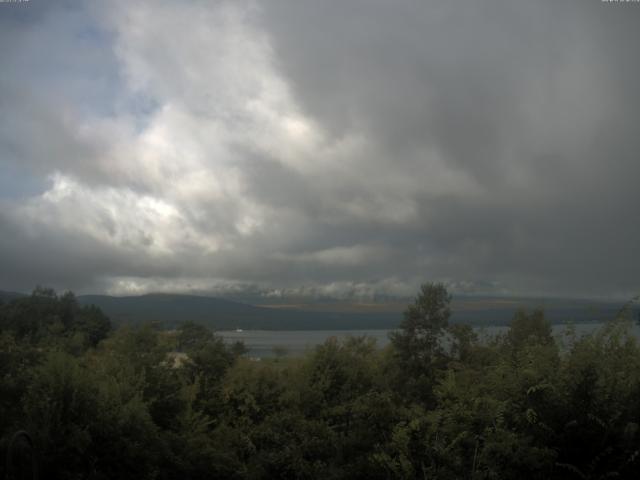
264	343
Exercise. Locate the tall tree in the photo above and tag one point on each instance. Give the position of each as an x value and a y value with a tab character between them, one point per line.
417	344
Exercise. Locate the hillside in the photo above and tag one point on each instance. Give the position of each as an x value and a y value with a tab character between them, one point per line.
8	296
171	309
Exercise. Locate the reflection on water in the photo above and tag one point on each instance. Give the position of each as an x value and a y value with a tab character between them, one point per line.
269	343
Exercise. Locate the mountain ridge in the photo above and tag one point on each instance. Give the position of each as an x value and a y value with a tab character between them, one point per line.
170	309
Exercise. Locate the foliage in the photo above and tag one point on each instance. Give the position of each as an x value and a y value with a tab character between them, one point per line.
417	345
438	402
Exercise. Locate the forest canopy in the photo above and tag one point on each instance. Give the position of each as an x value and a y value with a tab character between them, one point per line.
438	402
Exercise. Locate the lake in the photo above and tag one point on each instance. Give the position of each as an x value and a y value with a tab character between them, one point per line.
263	343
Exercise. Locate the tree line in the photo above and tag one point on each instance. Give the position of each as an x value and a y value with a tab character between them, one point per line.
436	403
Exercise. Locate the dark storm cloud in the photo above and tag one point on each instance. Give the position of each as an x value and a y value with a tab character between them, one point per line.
349	146
53	257
536	101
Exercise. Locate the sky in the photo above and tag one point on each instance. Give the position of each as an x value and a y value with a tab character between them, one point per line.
326	148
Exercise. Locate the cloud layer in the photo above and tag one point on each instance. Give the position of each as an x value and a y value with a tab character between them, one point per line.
345	148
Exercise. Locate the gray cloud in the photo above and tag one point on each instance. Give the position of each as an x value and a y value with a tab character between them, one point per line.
354	147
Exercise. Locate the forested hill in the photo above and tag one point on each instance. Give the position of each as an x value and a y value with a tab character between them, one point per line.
171	309
8	296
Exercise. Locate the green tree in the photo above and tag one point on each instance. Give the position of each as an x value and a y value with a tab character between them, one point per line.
87	420
193	336
417	344
463	340
92	323
529	328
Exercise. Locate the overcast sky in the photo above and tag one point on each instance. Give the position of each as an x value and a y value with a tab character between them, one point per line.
340	147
